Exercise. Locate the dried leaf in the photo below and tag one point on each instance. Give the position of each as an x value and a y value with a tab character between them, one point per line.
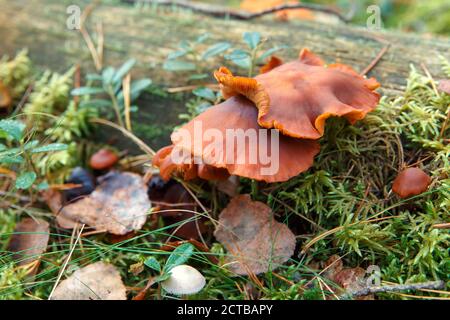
118	205
350	279
29	240
255	241
97	281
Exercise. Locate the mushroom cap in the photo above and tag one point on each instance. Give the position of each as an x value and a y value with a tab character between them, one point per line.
184	279
411	182
103	159
189	170
239	114
297	97
5	96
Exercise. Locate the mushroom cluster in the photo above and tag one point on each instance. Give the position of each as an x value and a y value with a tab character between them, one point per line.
290	100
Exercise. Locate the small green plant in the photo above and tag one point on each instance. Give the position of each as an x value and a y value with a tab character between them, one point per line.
18	150
251	56
204	98
192	57
179	256
110	84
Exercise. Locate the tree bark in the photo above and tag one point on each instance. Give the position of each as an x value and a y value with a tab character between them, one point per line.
150	34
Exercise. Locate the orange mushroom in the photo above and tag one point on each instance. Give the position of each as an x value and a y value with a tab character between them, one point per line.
411	182
188	171
5	96
297	97
103	159
271	64
238	115
260	5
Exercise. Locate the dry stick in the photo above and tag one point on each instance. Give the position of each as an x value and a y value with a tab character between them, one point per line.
441	226
223	12
395	288
66	262
87	38
23	100
77	84
212	86
100	42
144	147
376	59
127	100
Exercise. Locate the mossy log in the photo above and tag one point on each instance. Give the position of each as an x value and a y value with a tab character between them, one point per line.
150	34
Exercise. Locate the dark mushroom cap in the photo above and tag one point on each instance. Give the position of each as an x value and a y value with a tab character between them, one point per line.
103	159
411	182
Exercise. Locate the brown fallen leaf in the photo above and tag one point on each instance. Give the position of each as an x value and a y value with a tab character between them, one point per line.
118	205
255	241
349	279
29	240
97	281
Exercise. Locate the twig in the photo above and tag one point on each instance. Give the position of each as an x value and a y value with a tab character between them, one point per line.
23	100
376	60
127	100
100	42
223	12
144	147
77	83
441	226
395	288
212	86
87	38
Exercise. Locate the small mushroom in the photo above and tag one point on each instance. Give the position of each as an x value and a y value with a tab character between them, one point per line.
103	159
184	279
297	97
411	182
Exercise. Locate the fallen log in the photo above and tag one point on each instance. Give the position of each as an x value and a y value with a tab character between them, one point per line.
149	34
